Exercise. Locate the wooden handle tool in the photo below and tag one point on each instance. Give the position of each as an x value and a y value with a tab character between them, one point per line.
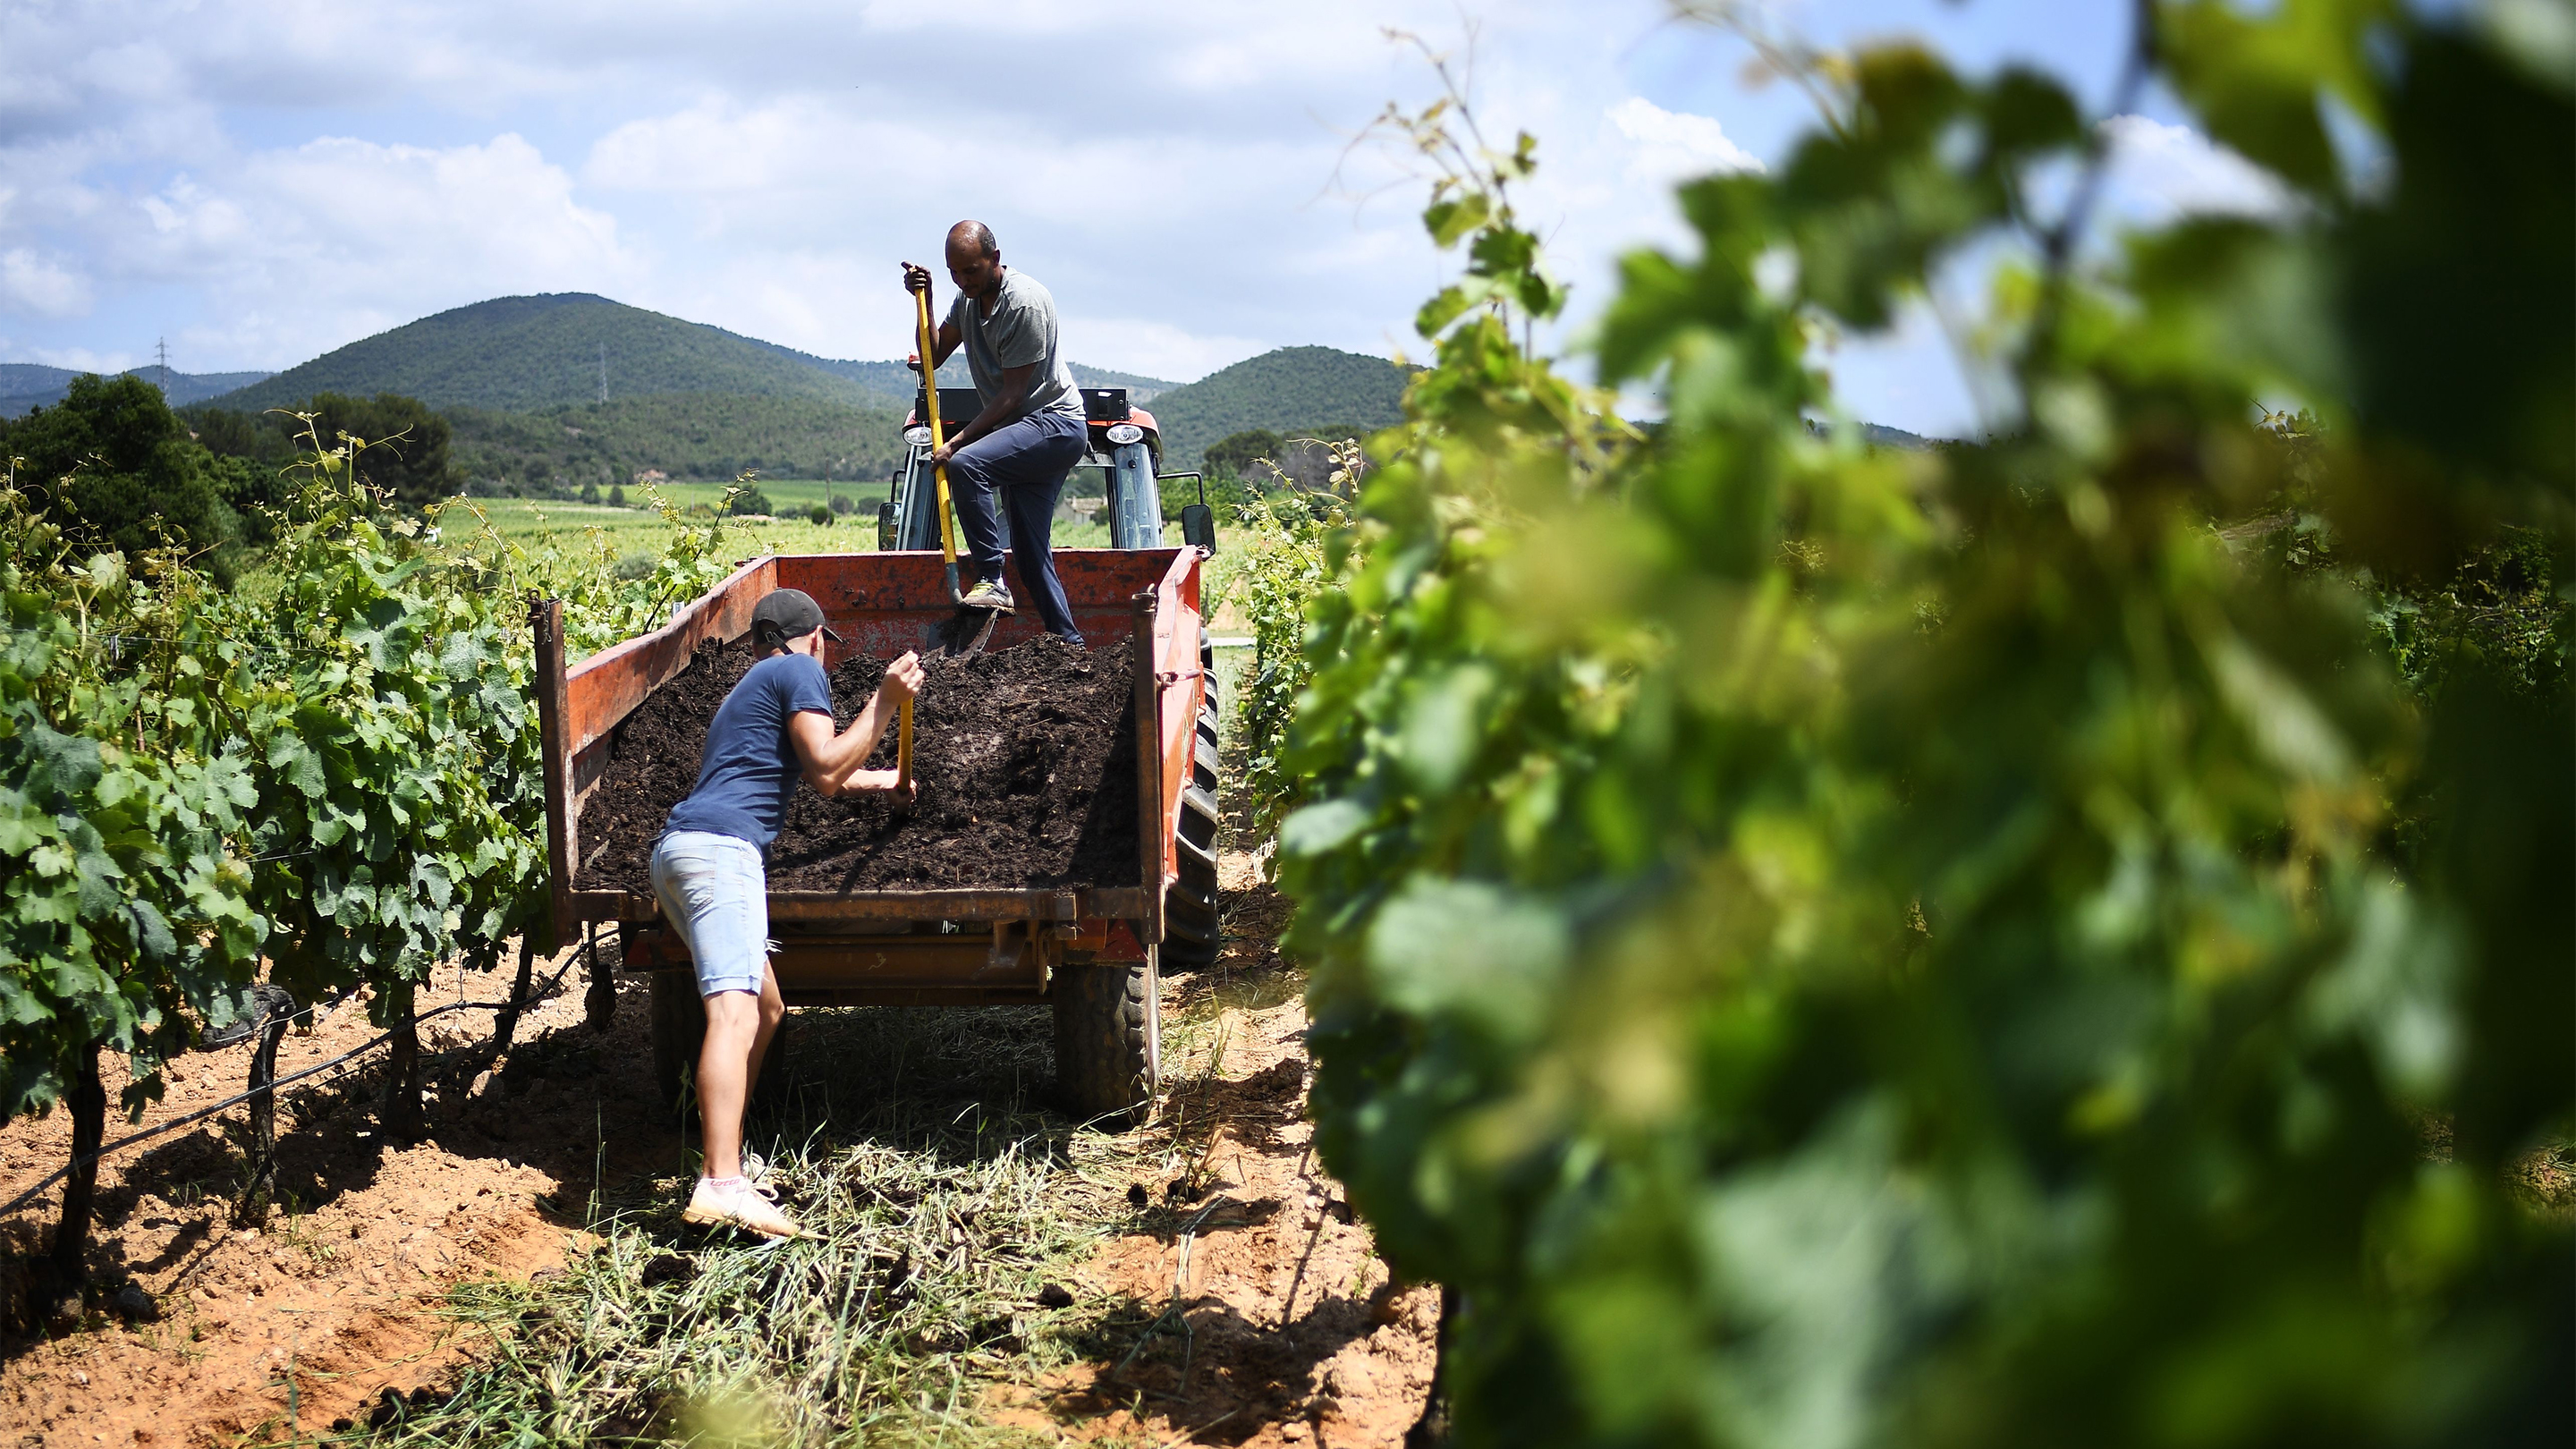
930	410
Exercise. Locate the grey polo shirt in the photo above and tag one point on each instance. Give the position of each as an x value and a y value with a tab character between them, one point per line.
1020	331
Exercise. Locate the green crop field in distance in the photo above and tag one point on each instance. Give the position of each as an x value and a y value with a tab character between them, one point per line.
540	525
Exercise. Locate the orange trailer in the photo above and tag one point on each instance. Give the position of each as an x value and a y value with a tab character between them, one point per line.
1091	953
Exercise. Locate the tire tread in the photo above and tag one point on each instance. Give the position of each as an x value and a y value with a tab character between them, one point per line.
1107	1037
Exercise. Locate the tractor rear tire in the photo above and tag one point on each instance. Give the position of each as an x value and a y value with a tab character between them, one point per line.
1192	922
1193	932
1108	1038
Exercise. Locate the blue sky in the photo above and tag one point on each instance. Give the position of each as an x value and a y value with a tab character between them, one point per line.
262	182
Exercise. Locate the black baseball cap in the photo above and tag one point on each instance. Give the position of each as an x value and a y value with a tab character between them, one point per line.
785	614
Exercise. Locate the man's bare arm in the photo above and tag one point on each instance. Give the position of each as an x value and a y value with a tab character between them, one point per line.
832	762
830	759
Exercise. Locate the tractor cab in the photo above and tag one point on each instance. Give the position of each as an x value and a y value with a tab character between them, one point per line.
1125	446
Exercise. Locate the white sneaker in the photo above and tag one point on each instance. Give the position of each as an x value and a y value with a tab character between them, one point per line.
710	1206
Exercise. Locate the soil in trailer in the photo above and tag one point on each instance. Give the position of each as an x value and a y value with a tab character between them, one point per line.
1025	760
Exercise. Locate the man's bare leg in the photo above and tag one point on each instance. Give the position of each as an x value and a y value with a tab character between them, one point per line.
740	1027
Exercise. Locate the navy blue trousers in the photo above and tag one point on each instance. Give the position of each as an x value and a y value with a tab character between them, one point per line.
1020	466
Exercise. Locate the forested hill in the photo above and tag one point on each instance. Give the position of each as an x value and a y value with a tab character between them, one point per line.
709	436
522	354
527	354
25	385
1140	389
1281	392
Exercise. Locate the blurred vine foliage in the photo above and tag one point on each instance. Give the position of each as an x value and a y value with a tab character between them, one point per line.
1823	946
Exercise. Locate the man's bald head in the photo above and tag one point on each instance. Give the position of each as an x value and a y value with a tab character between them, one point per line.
974	259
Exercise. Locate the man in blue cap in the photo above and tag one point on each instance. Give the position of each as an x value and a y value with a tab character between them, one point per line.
775	726
1016	451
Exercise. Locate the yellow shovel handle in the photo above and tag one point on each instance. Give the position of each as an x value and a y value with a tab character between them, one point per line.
903	745
930	401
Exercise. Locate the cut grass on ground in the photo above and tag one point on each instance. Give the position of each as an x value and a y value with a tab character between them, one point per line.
954	1213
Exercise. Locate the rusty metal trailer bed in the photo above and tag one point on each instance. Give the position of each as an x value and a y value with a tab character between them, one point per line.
1091	953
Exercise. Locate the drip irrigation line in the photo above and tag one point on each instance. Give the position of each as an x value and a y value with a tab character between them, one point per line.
1288	1310
1180	1286
277	1084
325	1007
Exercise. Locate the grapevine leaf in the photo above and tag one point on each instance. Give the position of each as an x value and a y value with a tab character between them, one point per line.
1318	829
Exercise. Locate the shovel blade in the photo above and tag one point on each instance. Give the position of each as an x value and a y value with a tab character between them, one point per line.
967	632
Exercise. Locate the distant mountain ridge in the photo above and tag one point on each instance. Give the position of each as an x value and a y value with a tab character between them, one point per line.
523	354
25	385
1281	391
528	354
520	379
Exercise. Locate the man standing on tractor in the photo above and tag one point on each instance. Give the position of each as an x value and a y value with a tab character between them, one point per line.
1016	452
775	725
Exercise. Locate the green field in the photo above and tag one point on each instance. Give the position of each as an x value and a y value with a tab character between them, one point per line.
538	525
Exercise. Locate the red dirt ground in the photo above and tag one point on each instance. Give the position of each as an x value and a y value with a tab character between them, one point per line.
306	1319
270	1332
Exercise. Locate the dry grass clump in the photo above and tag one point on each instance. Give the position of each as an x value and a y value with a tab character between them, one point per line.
951	1207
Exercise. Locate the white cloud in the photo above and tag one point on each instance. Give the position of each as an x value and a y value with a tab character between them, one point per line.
1159	348
1674	146
263	181
41	286
299	249
260	180
81	359
865	190
1022	17
2166	170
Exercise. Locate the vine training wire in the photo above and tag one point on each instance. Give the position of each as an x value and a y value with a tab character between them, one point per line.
281	1083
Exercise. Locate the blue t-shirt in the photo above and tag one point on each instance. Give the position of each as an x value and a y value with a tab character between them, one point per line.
750	768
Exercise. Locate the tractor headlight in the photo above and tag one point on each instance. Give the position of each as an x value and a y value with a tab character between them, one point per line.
918	435
1125	433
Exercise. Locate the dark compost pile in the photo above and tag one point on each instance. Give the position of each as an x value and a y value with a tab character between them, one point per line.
1025	759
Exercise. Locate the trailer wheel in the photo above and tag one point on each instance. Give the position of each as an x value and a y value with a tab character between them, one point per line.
599	1004
1108	1037
679	1029
769	1092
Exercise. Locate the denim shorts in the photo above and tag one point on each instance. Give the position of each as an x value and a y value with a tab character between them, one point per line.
715	894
